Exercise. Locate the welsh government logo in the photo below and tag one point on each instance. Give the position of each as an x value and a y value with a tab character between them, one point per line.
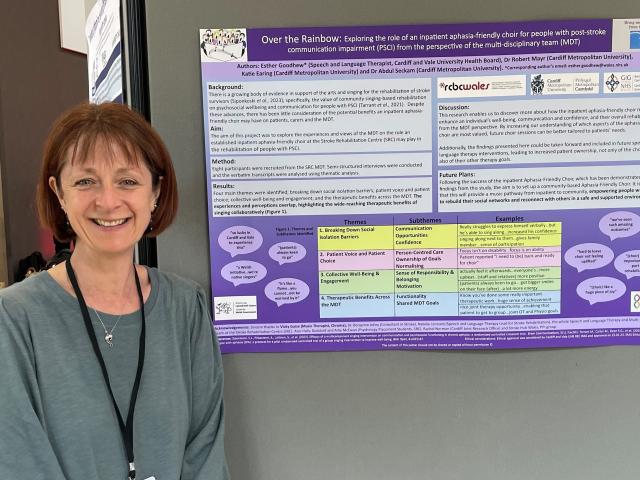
612	82
223	45
537	85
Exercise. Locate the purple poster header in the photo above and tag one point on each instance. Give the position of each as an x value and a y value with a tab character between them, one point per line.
412	41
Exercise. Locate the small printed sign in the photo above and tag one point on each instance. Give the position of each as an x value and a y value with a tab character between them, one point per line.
235	308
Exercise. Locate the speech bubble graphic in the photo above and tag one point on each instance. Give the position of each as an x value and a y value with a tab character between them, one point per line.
628	263
243	271
286	290
588	256
620	224
287	252
600	289
240	240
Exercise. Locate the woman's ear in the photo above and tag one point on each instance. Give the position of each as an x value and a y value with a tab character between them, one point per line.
156	194
53	185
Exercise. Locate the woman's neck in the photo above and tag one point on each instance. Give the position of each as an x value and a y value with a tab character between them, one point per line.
107	283
99	274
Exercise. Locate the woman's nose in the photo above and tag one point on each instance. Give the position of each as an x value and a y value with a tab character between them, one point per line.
107	196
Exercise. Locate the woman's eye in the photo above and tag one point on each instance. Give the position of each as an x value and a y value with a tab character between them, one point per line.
128	182
84	182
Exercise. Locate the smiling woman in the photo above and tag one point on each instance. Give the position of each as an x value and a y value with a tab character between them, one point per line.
115	134
108	199
81	399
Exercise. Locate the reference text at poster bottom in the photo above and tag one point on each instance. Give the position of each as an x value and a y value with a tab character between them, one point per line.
434	334
439	341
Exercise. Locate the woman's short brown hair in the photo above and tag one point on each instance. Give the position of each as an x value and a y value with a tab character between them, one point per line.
74	136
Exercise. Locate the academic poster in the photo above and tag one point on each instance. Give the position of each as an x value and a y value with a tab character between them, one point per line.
460	186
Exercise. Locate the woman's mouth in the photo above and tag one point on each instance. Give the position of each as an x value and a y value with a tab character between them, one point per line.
109	223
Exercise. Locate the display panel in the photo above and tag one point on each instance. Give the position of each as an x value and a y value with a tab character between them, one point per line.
423	187
104	52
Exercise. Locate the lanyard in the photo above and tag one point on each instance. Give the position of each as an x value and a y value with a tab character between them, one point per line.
126	429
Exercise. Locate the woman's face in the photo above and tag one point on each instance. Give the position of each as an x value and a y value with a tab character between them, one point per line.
108	200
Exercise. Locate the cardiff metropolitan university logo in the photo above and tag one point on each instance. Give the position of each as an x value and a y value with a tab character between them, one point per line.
537	85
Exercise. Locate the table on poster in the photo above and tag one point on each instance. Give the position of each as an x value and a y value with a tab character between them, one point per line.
439	270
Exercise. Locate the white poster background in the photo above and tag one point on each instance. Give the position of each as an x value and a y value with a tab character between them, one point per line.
104	58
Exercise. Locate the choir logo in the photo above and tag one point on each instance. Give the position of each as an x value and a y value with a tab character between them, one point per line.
223	45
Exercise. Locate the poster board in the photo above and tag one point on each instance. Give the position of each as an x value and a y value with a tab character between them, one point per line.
424	187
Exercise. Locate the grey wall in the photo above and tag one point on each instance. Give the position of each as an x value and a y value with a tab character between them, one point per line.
38	81
546	414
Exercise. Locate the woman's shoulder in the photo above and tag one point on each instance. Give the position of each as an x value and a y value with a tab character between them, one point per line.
174	288
30	289
179	297
25	297
169	280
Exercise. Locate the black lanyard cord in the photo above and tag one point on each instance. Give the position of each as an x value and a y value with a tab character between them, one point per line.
126	429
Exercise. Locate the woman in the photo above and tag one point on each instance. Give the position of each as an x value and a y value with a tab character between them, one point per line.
109	370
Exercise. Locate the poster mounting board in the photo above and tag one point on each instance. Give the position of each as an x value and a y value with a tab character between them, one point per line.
462	186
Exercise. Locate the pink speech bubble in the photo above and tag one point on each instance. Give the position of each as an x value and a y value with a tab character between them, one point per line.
243	271
620	224
287	252
628	263
600	289
286	290
240	240
588	256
